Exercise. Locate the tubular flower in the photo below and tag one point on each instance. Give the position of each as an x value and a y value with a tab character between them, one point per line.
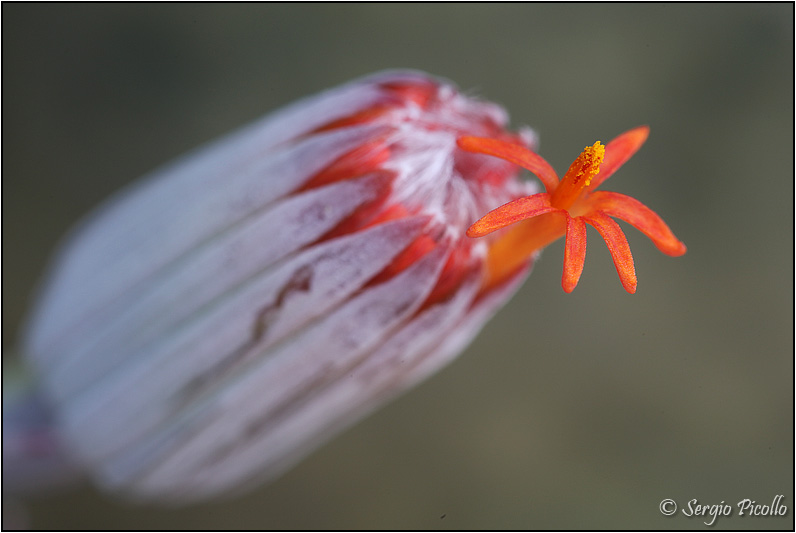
565	209
209	327
213	324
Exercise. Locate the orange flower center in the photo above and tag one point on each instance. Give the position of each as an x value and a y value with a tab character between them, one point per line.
578	177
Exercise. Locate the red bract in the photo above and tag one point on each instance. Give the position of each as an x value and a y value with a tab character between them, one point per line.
567	206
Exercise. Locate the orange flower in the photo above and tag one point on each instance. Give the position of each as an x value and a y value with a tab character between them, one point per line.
565	209
213	324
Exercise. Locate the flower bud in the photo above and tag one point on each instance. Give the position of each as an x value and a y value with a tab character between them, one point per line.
209	326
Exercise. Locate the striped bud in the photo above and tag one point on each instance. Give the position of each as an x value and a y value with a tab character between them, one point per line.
209	326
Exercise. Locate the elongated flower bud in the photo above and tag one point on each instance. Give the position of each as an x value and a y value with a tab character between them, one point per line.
211	325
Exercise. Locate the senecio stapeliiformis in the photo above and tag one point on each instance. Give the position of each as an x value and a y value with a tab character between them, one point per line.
209	326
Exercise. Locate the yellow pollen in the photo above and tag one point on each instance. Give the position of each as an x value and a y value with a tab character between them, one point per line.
579	176
590	158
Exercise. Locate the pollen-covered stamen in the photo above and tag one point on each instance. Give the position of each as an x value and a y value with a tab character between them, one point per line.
579	176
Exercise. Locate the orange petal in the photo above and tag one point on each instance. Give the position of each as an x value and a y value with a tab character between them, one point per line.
514	211
517	245
514	153
618	151
574	253
640	217
617	244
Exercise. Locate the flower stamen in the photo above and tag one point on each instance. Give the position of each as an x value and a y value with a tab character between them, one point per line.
578	177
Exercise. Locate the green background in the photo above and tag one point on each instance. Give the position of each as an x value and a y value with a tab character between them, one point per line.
568	411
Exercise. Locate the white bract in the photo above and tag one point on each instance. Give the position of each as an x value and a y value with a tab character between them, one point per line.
212	324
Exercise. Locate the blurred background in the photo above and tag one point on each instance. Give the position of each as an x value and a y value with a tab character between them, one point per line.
572	411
